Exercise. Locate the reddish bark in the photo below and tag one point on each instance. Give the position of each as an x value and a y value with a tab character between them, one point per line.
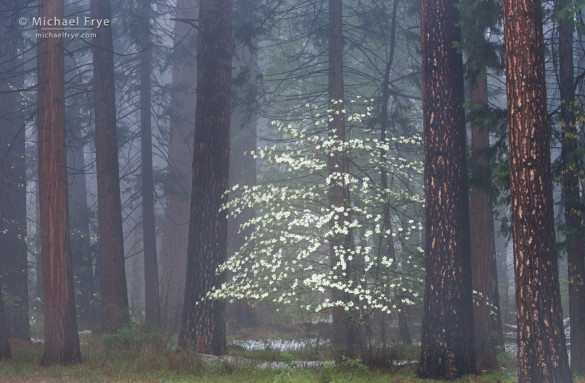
487	322
60	325
542	353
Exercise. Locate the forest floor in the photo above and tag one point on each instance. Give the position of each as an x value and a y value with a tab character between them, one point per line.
137	356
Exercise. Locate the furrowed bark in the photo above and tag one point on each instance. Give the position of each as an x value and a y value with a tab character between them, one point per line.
542	353
60	325
447	346
203	324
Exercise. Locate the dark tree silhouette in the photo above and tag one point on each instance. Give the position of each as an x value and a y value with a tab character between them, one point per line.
61	338
243	136
347	337
79	212
152	309
203	324
571	196
447	346
13	274
487	322
542	353
113	276
4	344
178	188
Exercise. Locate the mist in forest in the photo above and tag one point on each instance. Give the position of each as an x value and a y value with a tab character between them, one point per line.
298	189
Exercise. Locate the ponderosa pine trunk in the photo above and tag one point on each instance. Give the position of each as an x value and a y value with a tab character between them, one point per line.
447	325
571	195
487	322
151	304
203	322
112	272
13	256
178	192
542	353
60	325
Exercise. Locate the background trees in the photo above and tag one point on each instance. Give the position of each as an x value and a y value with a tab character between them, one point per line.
570	175
328	97
4	345
113	276
347	337
479	17
13	274
180	163
152	309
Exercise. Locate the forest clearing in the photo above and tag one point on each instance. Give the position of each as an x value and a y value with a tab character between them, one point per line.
292	191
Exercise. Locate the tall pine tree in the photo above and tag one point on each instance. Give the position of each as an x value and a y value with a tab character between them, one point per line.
542	353
113	275
60	325
447	349
203	322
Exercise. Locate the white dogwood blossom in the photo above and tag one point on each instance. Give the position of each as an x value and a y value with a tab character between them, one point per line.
287	258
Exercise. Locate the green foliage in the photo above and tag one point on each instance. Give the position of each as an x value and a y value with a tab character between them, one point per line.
349	370
480	20
132	338
164	364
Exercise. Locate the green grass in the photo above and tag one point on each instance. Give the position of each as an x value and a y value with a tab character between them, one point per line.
136	356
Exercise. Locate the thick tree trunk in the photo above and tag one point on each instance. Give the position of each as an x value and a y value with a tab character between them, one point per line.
5	351
13	256
487	321
571	196
542	353
178	193
447	346
61	338
151	304
113	277
203	324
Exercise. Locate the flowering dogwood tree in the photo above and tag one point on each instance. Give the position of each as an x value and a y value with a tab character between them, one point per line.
286	258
